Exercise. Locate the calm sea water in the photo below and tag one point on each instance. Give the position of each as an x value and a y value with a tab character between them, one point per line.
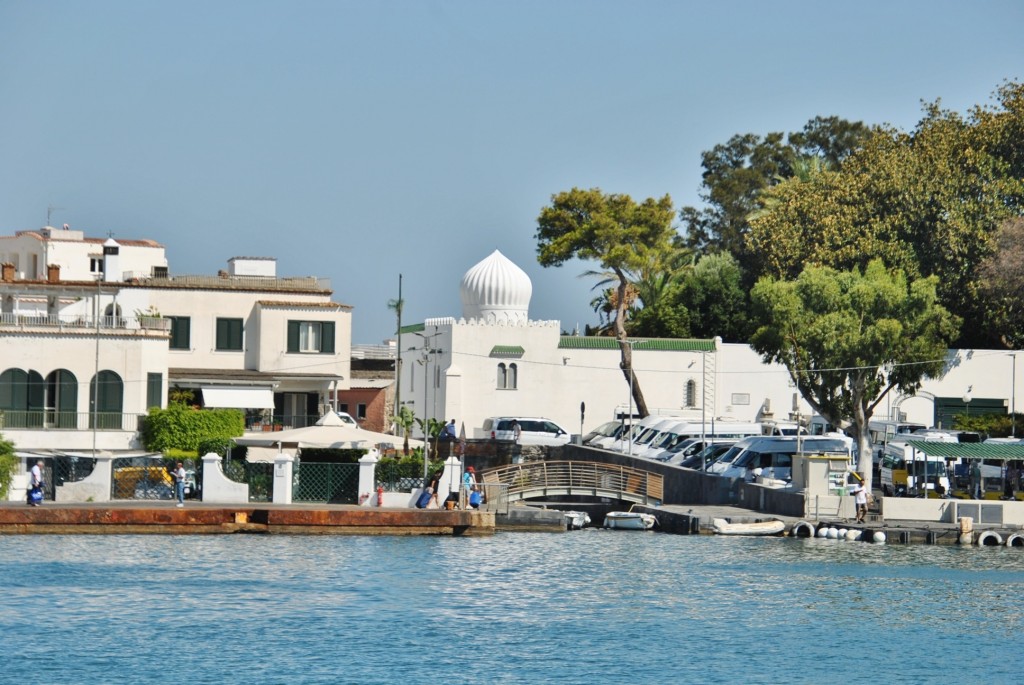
591	606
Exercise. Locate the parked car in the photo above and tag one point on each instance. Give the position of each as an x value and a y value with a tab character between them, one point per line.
347	418
708	455
533	430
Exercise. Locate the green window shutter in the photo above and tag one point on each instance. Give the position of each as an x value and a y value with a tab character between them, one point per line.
181	332
36	391
327	337
229	334
293	336
154	389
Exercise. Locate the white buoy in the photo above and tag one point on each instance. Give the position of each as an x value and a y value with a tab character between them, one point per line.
823	532
966	539
853	535
842	533
833	533
879	536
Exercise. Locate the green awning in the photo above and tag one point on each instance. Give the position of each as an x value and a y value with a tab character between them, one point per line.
994	451
578	342
507	351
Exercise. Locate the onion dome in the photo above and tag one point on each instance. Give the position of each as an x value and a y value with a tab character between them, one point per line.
496	290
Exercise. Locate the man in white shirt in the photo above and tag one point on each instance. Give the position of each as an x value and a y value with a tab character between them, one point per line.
35	483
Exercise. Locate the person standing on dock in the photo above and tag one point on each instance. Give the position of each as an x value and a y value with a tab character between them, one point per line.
977	487
179	483
860	494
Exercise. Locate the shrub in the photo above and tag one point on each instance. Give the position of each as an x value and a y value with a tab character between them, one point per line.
181	427
8	465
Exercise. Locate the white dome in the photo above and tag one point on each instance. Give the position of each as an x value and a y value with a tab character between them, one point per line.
496	290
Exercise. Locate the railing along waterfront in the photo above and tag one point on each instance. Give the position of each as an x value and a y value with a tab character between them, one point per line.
540	478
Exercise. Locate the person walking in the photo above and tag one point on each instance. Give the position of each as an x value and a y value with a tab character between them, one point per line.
517	434
35	484
179	483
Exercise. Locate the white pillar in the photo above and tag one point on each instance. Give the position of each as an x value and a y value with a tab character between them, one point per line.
368	479
284	464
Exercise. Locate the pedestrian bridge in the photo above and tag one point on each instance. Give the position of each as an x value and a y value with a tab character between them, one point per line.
579	478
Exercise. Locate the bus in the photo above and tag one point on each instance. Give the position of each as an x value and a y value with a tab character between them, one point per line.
883	431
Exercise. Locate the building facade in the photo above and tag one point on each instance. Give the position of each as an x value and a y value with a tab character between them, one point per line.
85	353
495	361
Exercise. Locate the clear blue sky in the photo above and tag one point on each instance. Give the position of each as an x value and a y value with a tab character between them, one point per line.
359	140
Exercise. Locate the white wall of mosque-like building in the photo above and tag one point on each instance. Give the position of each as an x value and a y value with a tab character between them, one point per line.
467	375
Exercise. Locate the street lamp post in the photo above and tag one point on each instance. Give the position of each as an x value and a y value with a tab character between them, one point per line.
425	360
1013	397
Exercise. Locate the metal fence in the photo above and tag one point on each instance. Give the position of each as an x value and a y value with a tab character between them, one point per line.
259	476
327	483
149	478
389	476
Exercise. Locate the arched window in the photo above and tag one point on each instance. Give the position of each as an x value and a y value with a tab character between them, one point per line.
61	399
502	376
691	393
108	390
513	376
21	398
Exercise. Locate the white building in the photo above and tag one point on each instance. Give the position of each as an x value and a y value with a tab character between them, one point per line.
494	361
246	338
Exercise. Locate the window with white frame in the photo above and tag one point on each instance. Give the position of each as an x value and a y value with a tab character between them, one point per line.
311	337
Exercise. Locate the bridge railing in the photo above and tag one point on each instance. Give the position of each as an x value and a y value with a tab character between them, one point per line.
578	478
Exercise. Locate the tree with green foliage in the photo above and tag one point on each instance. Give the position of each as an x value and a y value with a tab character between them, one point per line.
847	338
1002	284
928	202
737	171
8	466
619	234
713	295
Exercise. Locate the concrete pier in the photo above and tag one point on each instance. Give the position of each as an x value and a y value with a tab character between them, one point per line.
203	519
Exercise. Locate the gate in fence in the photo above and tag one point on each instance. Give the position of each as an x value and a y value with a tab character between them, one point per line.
327	483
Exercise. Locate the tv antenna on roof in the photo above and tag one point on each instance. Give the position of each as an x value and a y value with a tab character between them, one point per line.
49	211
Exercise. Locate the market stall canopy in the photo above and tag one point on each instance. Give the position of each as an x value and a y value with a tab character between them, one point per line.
998	451
330	432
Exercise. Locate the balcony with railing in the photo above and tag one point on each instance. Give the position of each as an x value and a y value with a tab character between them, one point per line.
51	419
74	323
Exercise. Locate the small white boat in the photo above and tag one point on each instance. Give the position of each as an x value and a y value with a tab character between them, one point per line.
575	520
629	520
723	527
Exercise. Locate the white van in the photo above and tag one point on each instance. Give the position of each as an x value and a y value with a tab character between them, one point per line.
533	430
782	428
906	469
772	456
643	436
688	435
638	426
